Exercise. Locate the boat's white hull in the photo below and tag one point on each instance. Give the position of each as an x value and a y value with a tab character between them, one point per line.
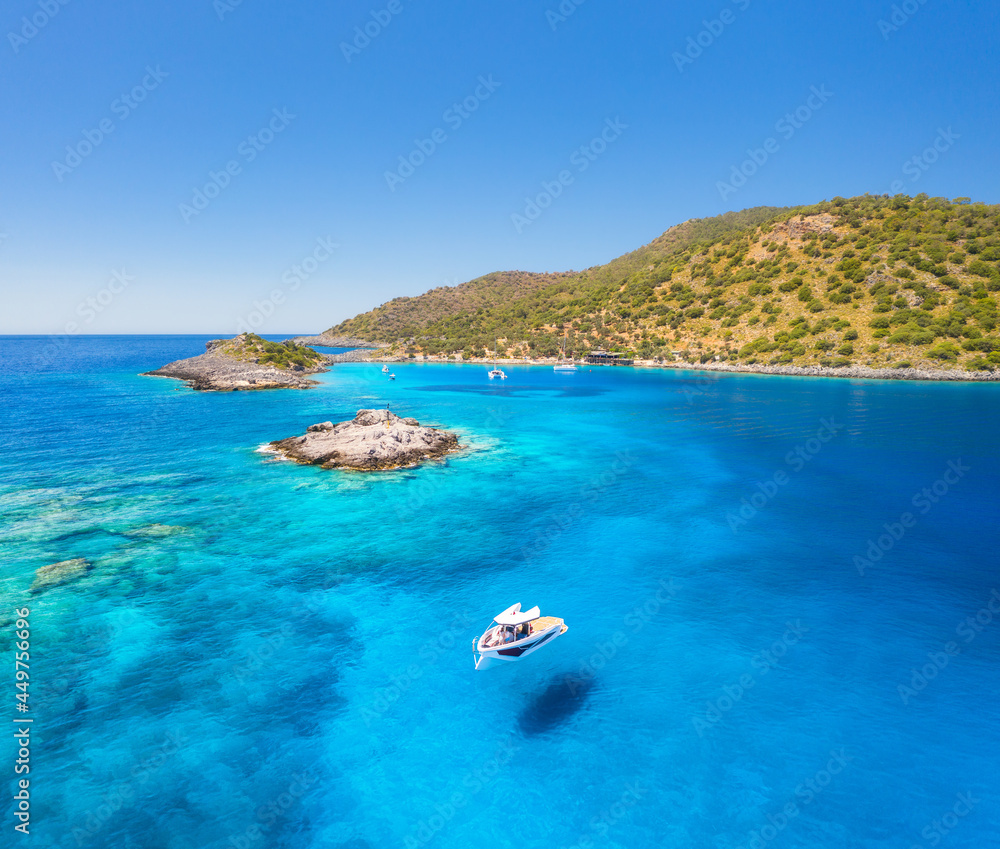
486	656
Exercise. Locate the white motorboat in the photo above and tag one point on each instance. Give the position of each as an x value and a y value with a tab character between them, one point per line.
385	369
515	634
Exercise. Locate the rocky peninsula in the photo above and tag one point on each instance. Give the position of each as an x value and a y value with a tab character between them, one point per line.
358	355
374	440
247	362
325	340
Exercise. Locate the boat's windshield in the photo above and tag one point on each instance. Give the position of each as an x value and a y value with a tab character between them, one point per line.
498	634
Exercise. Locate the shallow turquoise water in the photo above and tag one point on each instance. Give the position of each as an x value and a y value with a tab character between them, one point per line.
289	663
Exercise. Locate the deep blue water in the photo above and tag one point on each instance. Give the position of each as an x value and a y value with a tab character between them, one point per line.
270	655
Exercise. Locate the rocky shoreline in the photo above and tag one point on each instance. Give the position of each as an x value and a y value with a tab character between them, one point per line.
227	366
851	372
375	440
219	370
359	356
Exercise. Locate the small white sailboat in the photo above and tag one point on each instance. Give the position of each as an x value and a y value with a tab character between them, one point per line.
496	373
514	634
563	365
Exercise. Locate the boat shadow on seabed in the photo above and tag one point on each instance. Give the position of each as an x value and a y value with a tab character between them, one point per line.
555	705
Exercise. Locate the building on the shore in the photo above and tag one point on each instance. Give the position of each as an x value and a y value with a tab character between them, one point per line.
603	358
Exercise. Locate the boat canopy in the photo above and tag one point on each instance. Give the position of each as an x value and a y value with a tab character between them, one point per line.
514	616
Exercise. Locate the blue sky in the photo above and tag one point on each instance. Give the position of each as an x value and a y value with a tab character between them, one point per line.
624	118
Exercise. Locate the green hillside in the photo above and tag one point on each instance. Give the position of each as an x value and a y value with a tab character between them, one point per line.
404	317
872	280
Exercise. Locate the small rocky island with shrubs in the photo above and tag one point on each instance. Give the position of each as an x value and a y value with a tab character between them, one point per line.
247	362
375	440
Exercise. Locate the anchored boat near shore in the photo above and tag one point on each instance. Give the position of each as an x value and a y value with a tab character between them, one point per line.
563	364
496	372
515	634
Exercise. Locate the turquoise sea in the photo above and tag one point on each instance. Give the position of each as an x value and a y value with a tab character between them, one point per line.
783	599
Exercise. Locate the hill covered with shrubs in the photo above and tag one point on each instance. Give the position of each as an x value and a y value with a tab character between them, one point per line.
872	280
251	348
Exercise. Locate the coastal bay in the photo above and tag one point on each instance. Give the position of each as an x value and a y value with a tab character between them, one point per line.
565	426
698	536
849	372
